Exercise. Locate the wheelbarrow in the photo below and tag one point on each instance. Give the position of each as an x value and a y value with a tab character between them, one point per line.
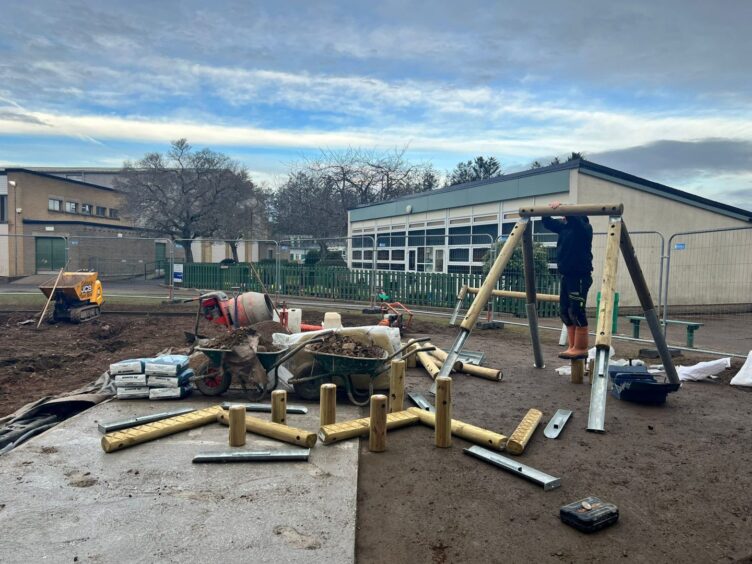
340	369
217	378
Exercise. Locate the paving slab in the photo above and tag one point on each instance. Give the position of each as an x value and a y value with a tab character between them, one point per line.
64	499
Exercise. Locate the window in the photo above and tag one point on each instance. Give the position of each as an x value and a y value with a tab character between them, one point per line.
357	255
382	255
87	209
3	208
101	212
398	255
367	255
455	231
114	214
479	255
456	269
54	205
397	267
485	234
459	255
71	207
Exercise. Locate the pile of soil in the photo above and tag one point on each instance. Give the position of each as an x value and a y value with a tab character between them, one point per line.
345	346
264	330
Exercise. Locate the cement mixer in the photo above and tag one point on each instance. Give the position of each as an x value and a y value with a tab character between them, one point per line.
245	309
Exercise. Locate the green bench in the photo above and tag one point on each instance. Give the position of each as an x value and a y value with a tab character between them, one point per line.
690	325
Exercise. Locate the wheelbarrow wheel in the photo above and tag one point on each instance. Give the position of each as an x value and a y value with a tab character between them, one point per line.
309	389
215	382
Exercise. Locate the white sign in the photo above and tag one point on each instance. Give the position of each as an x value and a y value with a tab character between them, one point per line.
177	273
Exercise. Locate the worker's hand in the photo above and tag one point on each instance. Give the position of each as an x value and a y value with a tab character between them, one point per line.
555	204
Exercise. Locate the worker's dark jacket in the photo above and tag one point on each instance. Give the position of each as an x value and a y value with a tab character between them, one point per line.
574	254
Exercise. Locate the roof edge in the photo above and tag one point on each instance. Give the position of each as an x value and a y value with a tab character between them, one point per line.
61	178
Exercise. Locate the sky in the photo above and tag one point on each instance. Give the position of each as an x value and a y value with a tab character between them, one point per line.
658	89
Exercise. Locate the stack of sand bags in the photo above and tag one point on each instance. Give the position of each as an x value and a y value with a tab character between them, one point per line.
130	379
168	377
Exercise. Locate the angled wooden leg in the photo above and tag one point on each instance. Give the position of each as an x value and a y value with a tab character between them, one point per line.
531	294
484	294
599	386
646	301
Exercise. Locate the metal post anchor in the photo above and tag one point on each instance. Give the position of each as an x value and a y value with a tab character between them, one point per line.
598	392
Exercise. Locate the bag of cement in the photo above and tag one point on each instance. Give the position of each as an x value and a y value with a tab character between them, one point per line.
132	366
130	380
703	370
744	376
183	379
132	393
168	393
167	365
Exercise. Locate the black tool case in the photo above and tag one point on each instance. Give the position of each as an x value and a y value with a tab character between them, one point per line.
590	514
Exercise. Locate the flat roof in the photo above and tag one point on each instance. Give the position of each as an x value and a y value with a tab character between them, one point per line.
534	182
57	177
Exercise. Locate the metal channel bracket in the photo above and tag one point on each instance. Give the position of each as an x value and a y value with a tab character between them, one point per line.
557	423
471	357
421	402
134	421
267	408
598	392
452	357
254	456
522	470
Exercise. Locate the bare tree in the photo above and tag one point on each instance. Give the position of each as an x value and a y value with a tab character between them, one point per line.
183	194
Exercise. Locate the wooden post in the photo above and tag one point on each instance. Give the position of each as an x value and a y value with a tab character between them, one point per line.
471	369
443	428
428	363
377	424
573	209
484	294
590	368
279	407
283	433
236	415
361	427
327	404
608	287
411	360
396	386
578	370
477	435
553	298
521	436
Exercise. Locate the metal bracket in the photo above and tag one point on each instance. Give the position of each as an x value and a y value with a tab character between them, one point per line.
557	423
421	402
254	456
471	357
267	408
522	470
134	421
598	392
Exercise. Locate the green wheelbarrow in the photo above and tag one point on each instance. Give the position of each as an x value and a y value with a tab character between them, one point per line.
339	369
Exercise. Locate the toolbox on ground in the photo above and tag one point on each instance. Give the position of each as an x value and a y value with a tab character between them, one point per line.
634	383
590	514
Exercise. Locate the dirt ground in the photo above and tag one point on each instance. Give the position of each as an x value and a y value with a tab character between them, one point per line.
679	473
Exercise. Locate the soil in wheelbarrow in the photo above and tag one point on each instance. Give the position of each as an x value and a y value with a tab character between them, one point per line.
345	346
264	330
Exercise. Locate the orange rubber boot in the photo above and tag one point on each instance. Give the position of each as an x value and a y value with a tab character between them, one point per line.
581	338
570	340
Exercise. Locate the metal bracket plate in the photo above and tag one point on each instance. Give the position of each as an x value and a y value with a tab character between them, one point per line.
421	402
471	357
557	423
135	421
522	470
267	408
254	456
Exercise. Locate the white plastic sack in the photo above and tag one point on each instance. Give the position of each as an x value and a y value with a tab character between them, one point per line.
744	376
565	370
703	370
591	353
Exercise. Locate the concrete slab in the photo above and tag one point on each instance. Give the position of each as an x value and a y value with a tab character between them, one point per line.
64	498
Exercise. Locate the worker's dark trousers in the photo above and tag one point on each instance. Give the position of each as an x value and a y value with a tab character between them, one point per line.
573	297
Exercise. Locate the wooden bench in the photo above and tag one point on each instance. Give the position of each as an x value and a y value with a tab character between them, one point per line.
690	325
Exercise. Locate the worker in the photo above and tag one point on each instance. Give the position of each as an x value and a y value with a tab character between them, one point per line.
574	259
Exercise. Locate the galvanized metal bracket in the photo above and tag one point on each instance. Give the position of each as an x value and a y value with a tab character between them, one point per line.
557	423
267	408
541	478
254	456
421	402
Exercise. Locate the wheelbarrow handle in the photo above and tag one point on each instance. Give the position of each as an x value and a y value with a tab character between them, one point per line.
408	345
297	348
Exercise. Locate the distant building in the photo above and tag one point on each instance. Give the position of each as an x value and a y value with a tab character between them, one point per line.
449	230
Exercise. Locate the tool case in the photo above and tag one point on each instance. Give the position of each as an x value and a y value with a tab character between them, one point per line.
634	383
590	514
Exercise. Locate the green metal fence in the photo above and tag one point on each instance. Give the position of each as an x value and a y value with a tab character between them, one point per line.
426	289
